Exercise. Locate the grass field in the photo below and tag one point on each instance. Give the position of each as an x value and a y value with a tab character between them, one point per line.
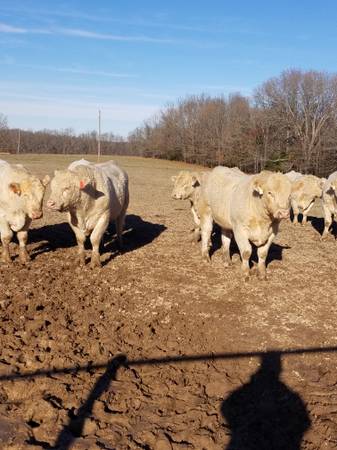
158	303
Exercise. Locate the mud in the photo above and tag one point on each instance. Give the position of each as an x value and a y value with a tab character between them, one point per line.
159	350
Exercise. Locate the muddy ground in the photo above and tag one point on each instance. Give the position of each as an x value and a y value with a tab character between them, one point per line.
158	350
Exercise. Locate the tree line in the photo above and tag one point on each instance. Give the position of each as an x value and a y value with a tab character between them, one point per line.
290	122
59	142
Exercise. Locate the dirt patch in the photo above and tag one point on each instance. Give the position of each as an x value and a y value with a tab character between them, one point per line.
158	350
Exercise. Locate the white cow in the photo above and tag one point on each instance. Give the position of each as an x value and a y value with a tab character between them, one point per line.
187	187
248	206
304	191
92	195
329	199
21	197
293	176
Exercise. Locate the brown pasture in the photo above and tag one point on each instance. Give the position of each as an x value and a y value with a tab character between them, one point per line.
158	349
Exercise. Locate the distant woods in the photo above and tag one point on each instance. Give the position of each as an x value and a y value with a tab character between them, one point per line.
290	122
59	142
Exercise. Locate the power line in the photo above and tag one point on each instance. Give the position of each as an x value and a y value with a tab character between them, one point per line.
99	136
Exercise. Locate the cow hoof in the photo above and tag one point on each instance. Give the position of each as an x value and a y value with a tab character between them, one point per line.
246	276
206	258
95	262
81	259
194	239
24	259
6	259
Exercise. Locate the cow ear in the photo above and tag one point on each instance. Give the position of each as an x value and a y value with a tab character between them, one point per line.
15	187
84	182
45	180
195	179
257	189
330	190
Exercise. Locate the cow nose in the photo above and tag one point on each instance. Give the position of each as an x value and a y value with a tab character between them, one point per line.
37	214
283	214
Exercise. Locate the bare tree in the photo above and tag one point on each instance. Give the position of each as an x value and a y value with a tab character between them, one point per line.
3	121
303	103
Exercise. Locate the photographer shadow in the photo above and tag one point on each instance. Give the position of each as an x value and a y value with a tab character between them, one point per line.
265	414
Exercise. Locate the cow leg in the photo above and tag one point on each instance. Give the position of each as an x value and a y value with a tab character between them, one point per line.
296	211
262	253
22	235
196	233
6	237
119	228
119	221
80	238
96	237
206	225
327	222
196	218
226	237
245	251
306	212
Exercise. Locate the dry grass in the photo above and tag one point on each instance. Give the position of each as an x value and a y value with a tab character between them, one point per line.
159	299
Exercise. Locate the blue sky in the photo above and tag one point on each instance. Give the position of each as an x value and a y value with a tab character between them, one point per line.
60	61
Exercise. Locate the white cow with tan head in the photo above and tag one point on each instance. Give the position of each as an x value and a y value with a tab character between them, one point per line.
187	187
250	207
329	199
21	197
304	191
92	195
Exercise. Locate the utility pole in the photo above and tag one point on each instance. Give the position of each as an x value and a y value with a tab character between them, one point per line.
99	136
19	141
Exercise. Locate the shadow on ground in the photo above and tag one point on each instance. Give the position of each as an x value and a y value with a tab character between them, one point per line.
318	224
275	252
137	233
262	414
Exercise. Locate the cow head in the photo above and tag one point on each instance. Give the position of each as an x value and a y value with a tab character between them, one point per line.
306	190
30	191
66	187
273	190
332	190
184	184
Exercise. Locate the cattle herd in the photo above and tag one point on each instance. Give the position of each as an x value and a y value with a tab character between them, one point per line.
250	207
92	195
246	207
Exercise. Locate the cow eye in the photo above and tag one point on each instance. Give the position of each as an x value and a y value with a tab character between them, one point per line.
271	194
